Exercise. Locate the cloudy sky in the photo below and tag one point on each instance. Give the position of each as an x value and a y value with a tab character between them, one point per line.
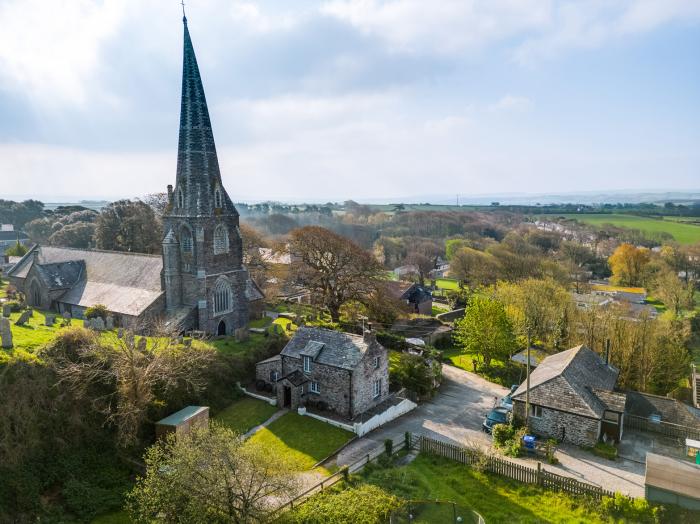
316	100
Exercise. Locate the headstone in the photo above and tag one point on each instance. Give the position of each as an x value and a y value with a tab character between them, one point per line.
87	323
31	312
129	338
49	319
120	333
6	310
141	345
24	317
241	334
5	333
98	324
109	323
180	340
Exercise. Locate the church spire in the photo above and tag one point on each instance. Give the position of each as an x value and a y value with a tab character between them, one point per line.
198	189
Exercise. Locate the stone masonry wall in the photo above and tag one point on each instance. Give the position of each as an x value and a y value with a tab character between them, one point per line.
333	382
365	375
263	369
578	430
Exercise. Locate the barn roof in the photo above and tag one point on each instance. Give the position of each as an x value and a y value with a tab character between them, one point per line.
571	381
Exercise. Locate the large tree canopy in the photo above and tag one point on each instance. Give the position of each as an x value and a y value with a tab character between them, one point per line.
485	330
128	226
332	267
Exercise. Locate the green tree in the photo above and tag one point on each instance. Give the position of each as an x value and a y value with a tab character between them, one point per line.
18	250
485	330
211	475
128	226
628	264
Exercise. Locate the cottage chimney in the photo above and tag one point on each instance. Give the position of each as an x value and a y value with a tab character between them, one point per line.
368	335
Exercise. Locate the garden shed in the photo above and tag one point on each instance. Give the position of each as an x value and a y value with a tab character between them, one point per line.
672	480
183	421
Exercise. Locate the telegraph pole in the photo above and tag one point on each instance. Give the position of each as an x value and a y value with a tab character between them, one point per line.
527	385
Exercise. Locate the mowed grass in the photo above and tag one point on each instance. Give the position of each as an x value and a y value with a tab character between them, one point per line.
231	346
682	232
244	414
304	441
496	498
448	284
32	336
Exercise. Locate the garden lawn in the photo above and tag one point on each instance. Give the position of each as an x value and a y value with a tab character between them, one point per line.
304	441
231	346
684	233
496	498
244	414
449	284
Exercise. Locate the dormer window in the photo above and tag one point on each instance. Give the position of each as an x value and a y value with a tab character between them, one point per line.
180	198
218	200
307	364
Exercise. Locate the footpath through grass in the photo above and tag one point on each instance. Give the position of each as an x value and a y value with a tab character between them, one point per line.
244	414
303	440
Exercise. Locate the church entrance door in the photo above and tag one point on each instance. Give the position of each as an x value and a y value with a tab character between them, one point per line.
221	330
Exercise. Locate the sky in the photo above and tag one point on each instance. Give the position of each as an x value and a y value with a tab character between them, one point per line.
362	99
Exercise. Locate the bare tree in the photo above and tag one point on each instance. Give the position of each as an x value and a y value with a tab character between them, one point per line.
124	375
332	267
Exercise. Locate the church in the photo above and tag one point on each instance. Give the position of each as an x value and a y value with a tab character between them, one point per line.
198	283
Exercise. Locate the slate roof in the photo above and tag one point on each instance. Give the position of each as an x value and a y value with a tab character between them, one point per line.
669	409
566	381
332	348
410	291
61	275
181	416
296	378
126	283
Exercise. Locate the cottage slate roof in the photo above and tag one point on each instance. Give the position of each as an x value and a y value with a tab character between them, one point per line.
340	350
612	400
566	381
296	378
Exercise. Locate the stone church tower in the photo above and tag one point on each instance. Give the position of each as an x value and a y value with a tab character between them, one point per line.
203	273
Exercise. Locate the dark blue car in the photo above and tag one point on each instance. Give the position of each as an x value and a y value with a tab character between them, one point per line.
497	415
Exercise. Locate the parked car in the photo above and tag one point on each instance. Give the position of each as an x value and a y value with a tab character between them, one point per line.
497	415
507	401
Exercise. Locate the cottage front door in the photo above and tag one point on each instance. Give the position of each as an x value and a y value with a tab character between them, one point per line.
287	397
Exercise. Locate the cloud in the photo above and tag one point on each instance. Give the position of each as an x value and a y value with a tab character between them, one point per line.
512	103
51	50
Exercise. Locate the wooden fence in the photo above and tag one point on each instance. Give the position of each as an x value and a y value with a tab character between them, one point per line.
510	469
662	428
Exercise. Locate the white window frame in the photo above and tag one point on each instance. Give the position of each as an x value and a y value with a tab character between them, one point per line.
274	376
534	410
307	363
315	388
377	388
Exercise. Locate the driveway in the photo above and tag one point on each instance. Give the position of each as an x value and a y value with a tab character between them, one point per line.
455	415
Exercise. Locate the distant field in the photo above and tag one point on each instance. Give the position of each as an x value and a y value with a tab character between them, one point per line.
684	233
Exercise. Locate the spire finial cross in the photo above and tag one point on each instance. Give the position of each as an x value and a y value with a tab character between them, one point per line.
182	2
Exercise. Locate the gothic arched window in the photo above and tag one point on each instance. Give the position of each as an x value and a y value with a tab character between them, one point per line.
218	201
220	240
223	297
186	240
180	198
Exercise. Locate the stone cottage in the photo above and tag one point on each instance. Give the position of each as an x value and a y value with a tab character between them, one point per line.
572	398
328	370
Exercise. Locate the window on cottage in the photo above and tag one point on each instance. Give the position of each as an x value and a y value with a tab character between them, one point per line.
274	376
180	198
307	364
220	240
217	199
315	388
377	387
535	411
222	297
186	240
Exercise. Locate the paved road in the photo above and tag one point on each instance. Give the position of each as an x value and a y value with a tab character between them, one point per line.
455	415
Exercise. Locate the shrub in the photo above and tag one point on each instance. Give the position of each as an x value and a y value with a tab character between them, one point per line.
389	446
631	510
98	310
550	448
502	433
69	340
604	450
